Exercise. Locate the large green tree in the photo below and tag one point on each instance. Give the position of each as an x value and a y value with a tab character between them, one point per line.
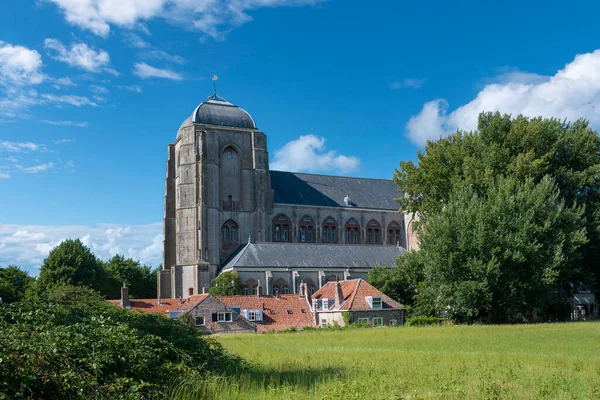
14	282
141	279
227	284
495	256
521	149
72	263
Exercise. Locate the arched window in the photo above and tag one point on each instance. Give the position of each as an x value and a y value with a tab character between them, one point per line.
329	230
352	231
255	290
282	228
394	237
276	290
373	232
231	178
229	232
313	289
306	230
285	289
246	291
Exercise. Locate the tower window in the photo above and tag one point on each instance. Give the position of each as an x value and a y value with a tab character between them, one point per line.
230	202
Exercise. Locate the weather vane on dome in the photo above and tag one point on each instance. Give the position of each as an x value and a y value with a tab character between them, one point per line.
215	78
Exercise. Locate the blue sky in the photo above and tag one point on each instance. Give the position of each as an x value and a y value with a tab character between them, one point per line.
92	91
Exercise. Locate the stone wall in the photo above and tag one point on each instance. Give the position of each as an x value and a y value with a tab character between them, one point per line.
211	305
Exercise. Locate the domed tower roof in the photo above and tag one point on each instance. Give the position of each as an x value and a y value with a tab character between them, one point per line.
218	111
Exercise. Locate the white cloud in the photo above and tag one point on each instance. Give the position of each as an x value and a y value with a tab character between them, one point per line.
146	71
307	153
17	147
212	17
19	65
98	89
4	176
97	15
63	141
135	41
76	101
79	55
162	55
572	93
65	123
28	245
36	169
131	88
408	83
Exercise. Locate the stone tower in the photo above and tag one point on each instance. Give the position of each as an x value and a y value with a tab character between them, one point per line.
217	195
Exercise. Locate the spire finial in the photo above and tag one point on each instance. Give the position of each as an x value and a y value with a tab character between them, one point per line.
215	78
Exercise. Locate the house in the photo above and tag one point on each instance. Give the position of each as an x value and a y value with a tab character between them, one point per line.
272	312
336	302
358	301
204	311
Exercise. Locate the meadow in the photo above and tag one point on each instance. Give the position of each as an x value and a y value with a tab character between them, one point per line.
545	361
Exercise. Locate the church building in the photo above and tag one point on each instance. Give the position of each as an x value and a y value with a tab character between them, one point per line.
226	211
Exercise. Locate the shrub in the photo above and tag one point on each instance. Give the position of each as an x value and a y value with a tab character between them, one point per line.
57	349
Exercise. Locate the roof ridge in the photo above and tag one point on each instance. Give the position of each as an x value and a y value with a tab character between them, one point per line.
334	176
353	295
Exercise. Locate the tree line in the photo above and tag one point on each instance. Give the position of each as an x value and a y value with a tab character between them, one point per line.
508	221
73	263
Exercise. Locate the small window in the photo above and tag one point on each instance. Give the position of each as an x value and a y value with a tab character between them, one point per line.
325	304
199	321
272	311
363	320
252	316
229	155
224	317
323	323
303	311
378	321
377	304
246	291
285	289
233	234
290	311
225	234
255	290
230	202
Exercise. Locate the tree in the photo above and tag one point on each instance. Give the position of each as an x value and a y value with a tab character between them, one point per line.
141	279
72	263
521	149
497	256
227	284
14	282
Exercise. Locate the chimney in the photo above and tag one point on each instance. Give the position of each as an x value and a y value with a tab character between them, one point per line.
203	289
125	296
339	295
259	291
190	292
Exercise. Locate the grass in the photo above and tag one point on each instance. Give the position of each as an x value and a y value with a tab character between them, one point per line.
546	361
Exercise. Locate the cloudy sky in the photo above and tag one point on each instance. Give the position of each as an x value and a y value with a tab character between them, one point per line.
92	91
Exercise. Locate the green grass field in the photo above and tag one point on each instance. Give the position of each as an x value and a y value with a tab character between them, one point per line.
547	361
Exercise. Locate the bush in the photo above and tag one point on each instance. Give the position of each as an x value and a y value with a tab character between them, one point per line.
424	321
56	349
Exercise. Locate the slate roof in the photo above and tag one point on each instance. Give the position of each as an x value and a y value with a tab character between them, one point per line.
263	255
152	305
330	191
275	310
218	111
354	292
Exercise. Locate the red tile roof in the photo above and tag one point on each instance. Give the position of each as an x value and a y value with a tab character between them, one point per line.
354	292
152	305
275	310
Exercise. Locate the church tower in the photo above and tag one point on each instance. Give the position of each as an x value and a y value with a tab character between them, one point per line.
217	195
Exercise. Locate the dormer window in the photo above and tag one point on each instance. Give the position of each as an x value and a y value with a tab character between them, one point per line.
377	303
325	304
